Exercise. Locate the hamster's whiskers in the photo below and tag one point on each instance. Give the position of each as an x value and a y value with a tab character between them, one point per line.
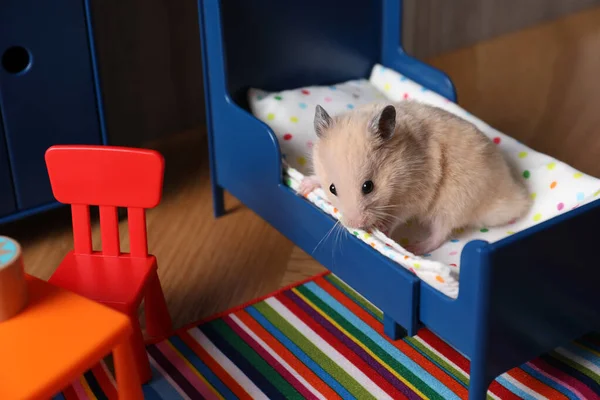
337	239
386	207
326	236
384	218
382	212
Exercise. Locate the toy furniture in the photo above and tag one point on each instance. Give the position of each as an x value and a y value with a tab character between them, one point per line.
13	288
59	336
49	94
111	177
519	296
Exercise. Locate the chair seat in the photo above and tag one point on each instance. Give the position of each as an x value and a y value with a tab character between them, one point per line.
115	281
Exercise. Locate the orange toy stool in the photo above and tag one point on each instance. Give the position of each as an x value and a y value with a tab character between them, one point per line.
56	338
112	177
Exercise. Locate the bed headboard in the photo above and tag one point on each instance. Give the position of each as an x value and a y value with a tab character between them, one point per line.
285	44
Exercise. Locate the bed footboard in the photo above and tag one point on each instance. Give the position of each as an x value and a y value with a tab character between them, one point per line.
539	290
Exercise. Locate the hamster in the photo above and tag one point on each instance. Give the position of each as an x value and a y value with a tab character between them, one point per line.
383	164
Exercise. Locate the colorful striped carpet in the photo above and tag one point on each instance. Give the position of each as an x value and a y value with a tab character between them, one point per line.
321	340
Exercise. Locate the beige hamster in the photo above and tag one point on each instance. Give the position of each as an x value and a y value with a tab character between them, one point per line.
383	164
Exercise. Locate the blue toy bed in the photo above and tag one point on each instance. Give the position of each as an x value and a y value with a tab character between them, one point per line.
519	296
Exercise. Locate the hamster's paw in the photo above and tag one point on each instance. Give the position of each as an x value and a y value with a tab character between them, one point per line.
425	246
437	237
308	184
387	228
415	248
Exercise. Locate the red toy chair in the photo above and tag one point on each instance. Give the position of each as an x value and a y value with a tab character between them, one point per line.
112	177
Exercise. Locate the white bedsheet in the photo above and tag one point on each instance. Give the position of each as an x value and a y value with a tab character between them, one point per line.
555	186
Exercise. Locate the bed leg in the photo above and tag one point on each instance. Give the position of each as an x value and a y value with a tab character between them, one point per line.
218	201
393	330
479	380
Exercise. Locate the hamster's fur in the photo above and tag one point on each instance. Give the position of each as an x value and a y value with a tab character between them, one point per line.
383	164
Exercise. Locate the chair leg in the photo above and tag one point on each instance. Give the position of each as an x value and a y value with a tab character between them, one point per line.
158	320
128	383
139	349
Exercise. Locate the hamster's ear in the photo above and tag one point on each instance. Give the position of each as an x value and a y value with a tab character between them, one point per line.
384	123
322	121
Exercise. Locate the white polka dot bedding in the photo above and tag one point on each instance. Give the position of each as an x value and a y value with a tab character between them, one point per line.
554	186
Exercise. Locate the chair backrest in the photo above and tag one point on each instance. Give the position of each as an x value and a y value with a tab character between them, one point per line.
108	177
276	45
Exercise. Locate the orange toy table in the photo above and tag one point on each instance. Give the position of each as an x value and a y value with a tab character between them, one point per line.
58	337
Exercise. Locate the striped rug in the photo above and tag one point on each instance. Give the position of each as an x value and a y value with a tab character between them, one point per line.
321	340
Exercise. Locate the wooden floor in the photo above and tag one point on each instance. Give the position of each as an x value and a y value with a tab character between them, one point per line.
539	86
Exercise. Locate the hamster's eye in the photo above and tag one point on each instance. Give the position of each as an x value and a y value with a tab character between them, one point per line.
367	187
332	189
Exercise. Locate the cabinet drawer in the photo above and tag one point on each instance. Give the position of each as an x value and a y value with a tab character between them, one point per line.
47	90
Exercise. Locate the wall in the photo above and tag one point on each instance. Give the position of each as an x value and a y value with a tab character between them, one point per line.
433	27
150	63
150	67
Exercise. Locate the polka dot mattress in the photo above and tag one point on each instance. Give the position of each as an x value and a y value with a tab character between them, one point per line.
555	186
